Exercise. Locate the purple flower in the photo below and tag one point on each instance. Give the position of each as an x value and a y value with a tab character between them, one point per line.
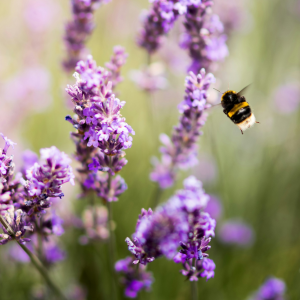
272	289
52	225
159	233
179	222
157	23
29	159
95	224
236	232
203	37
134	279
114	66
201	268
208	267
14	226
18	254
54	254
214	207
39	16
78	30
45	179
99	183
150	78
233	14
99	113
11	190
180	152
8	143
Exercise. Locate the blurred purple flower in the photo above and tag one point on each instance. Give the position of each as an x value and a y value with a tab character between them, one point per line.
15	226
272	289
233	14
18	254
54	254
151	78
51	251
30	88
157	22
179	222
236	232
45	179
39	15
115	64
203	38
287	98
95	224
180	152
29	159
214	207
134	279
78	30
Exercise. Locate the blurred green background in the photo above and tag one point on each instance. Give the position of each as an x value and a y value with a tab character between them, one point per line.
257	173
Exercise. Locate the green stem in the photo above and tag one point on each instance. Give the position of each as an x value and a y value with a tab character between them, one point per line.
194	284
40	240
39	266
194	290
111	241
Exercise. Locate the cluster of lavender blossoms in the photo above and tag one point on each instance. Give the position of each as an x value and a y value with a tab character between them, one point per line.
102	133
25	200
180	152
272	289
180	222
78	30
203	36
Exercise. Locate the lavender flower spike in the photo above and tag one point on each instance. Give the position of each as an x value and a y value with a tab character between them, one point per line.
99	113
204	36
11	190
45	180
179	222
272	289
180	152
115	64
14	226
133	280
102	133
78	30
158	22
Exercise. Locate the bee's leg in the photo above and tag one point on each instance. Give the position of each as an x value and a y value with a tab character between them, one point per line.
242	131
256	122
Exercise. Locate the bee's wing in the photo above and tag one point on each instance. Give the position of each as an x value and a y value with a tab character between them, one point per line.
213	106
242	92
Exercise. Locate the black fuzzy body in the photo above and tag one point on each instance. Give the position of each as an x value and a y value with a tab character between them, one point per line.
231	101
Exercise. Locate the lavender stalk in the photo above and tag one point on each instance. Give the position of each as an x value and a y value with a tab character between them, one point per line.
8	224
179	222
102	134
180	152
43	271
78	30
23	201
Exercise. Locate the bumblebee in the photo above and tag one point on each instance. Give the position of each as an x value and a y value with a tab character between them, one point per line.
237	109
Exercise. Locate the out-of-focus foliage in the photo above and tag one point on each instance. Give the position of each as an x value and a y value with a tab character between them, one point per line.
256	174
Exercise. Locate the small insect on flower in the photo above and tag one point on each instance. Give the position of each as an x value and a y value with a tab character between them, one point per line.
237	109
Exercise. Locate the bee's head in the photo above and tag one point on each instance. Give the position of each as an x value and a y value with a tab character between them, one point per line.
228	97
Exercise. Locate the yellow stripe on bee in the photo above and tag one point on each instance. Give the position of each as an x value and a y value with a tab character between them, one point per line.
236	108
230	91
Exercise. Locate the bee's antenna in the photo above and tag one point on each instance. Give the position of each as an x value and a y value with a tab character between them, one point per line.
217	90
